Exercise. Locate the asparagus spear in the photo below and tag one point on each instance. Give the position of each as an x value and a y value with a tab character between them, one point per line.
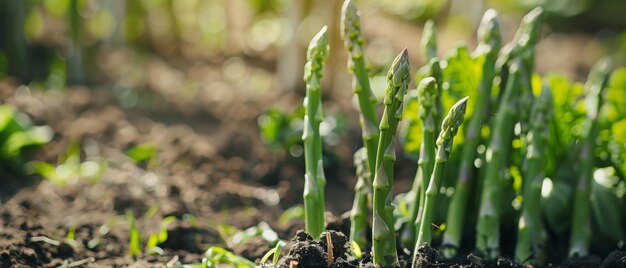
488	226
315	180
351	34
358	214
429	48
524	41
426	94
449	127
429	40
489	34
581	222
530	227
383	233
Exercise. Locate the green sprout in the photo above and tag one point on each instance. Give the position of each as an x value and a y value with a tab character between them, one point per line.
531	233
581	220
449	127
383	233
490	40
427	92
314	178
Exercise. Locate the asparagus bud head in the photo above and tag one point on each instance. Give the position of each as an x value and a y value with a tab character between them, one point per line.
489	32
449	127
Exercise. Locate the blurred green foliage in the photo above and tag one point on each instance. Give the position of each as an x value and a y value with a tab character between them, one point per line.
461	75
69	167
19	139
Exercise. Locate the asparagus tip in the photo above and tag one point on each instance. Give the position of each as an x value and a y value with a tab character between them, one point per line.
453	121
400	68
489	27
349	17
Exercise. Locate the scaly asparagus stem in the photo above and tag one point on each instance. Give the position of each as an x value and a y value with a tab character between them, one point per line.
426	93
581	222
314	178
429	48
489	34
383	233
429	40
524	41
488	226
351	34
449	127
530	227
358	214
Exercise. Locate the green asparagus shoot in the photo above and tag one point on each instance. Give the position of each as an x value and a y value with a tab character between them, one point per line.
488	226
351	34
383	233
490	41
359	212
581	221
429	40
530	228
429	48
449	127
315	180
427	92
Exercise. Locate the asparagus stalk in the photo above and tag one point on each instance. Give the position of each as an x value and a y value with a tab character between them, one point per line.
315	180
383	233
429	48
358	214
489	34
488	226
351	34
524	41
530	227
581	222
429	40
449	127
426	93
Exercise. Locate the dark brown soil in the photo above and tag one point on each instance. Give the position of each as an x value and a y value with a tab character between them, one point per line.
217	171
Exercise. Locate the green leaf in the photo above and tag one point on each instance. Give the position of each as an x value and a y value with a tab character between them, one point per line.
134	243
216	255
142	153
295	212
153	241
163	232
356	249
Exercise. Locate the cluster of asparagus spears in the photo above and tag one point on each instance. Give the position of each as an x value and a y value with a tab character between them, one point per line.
509	70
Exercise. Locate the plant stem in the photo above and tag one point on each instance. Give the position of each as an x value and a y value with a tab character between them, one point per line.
429	40
488	226
449	127
315	180
524	41
383	233
429	48
427	91
351	34
530	228
359	212
581	222
489	34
